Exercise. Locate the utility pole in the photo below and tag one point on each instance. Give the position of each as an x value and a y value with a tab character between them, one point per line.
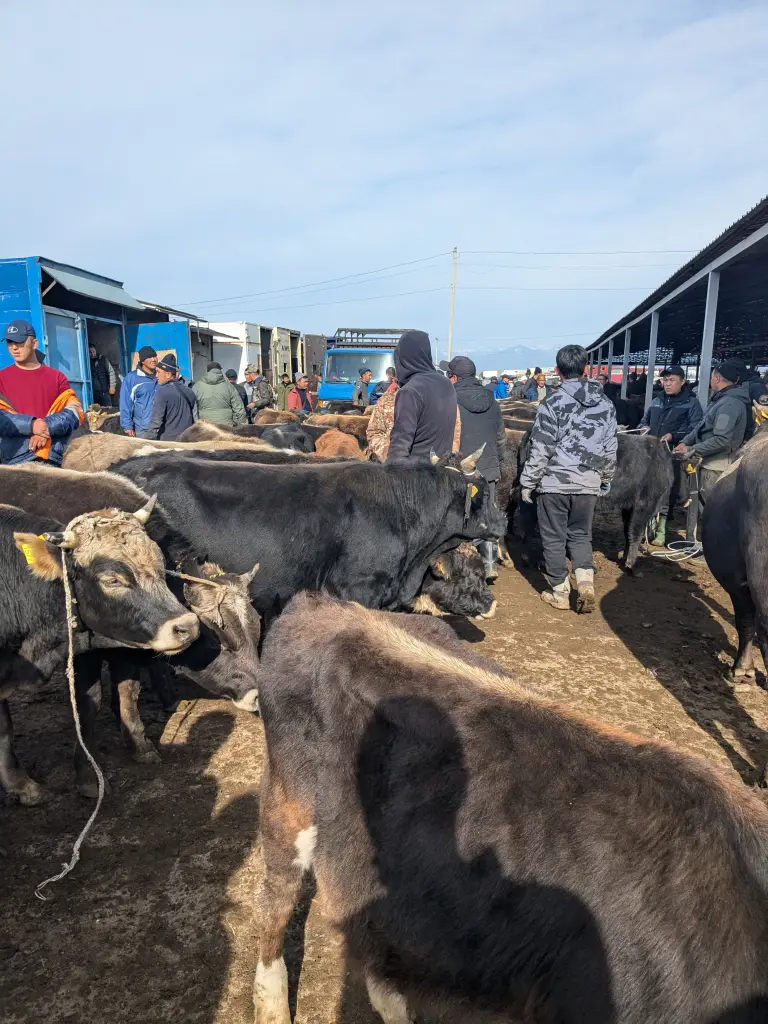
453	301
437	350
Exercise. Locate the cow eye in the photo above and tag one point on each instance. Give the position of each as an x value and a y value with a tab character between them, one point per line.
112	581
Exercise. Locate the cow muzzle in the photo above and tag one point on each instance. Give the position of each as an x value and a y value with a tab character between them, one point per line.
175	635
250	702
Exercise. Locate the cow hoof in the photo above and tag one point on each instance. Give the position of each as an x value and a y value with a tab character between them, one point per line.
636	574
744	673
147	756
32	794
90	790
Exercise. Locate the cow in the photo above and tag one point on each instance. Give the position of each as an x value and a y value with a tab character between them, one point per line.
117	579
733	537
335	443
488	853
202	431
643	480
348	424
103	418
357	529
222	659
456	580
93	453
275	416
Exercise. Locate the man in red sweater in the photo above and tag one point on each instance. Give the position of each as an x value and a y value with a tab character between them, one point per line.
38	408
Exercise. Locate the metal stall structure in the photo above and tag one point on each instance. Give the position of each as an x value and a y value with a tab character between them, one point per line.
713	307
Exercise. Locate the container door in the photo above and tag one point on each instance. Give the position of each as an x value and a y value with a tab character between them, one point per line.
163	338
65	351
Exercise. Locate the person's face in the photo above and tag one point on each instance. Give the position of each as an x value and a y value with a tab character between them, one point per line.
506	380
163	376
286	379
603	378
250	376
366	377
92	350
541	380
494	380
21	351
149	365
672	384
303	384
717	383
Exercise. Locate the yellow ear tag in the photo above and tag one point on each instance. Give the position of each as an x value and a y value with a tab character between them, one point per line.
473	491
26	550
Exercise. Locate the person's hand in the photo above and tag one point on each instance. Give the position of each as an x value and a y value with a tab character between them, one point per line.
111	391
605	488
682	449
130	433
667	437
527	495
37	441
40	429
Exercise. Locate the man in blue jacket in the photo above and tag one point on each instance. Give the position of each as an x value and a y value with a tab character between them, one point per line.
137	394
174	408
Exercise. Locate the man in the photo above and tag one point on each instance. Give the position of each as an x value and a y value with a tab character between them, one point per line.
38	409
383	385
670	416
138	393
481	424
728	419
258	392
379	429
502	387
425	411
217	401
103	378
231	376
537	392
282	392
531	378
492	384
755	384
572	460
174	408
300	398
360	397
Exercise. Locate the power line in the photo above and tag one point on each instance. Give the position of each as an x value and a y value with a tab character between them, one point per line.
566	266
511	288
311	284
575	252
337	302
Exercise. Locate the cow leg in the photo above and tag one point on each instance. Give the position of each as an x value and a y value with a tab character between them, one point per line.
744	616
387	1002
12	774
634	528
125	679
504	556
287	847
88	699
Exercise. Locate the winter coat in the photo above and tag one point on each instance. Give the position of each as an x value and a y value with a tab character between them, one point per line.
481	424
381	422
243	396
501	391
174	410
536	394
573	442
103	377
136	397
63	416
755	385
382	387
673	414
301	401
282	395
722	430
218	401
259	394
425	413
360	394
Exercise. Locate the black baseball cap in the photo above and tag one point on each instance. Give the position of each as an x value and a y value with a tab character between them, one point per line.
733	370
673	371
18	331
459	366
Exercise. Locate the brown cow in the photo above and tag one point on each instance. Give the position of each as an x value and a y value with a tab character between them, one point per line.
334	443
484	850
355	425
93	453
275	416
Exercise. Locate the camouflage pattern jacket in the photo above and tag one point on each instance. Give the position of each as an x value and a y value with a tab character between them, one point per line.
573	443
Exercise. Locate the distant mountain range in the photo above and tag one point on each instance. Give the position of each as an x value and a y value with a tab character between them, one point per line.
516	358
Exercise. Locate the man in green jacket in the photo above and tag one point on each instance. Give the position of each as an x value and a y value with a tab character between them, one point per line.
217	400
283	388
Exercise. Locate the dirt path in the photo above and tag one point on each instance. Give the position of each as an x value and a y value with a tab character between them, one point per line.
155	925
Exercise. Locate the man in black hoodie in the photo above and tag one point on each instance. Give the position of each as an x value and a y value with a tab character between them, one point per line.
481	425
425	411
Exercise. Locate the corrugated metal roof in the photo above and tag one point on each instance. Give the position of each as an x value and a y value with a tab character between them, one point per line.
82	282
737	232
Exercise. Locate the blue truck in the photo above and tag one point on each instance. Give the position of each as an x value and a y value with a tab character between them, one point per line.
350	350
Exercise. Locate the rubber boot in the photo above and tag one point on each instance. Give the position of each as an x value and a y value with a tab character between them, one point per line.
585	585
558	596
659	539
487	549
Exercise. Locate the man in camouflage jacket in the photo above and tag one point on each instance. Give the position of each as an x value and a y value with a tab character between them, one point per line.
572	460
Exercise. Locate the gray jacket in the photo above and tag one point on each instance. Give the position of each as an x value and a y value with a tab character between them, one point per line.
360	394
573	442
723	428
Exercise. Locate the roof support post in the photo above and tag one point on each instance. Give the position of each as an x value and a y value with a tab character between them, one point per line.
708	336
591	363
652	357
610	357
625	365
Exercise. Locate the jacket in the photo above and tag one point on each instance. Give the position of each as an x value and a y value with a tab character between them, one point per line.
501	391
381	422
673	414
218	402
259	395
296	401
136	397
382	387
243	396
63	418
722	430
103	377
481	423
573	442
360	394
756	385
425	412
282	395
174	410
532	393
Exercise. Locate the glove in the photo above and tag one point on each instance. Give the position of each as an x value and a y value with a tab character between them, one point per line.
605	488
527	495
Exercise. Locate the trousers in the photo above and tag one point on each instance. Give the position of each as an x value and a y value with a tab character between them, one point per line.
565	525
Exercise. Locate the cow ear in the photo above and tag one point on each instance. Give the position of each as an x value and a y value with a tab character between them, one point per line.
439	569
39	557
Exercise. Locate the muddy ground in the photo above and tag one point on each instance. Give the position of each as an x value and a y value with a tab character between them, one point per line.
155	925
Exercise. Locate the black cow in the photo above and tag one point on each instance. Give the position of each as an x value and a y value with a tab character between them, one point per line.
117	576
736	547
643	479
202	431
487	854
359	530
456	580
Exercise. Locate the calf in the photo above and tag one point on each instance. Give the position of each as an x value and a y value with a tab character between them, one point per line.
335	442
93	453
456	580
117	576
202	431
275	416
348	424
485	852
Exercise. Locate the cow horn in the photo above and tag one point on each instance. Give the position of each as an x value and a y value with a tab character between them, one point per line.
247	577
65	540
469	465
144	513
433	457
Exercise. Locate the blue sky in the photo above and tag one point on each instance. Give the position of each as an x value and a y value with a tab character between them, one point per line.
200	151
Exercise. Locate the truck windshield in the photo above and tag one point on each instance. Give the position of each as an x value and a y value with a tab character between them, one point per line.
344	367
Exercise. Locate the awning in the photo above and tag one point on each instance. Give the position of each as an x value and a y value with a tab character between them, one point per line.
93	285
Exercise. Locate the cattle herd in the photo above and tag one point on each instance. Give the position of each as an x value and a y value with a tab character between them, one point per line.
484	852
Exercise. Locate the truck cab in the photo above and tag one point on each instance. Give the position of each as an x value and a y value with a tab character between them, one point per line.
349	351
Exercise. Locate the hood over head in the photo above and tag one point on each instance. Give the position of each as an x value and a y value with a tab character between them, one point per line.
214	377
586	392
473	396
413	355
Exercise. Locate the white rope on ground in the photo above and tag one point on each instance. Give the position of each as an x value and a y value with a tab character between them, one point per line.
680	550
66	868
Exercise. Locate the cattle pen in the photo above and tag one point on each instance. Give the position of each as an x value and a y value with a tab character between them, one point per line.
157	922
